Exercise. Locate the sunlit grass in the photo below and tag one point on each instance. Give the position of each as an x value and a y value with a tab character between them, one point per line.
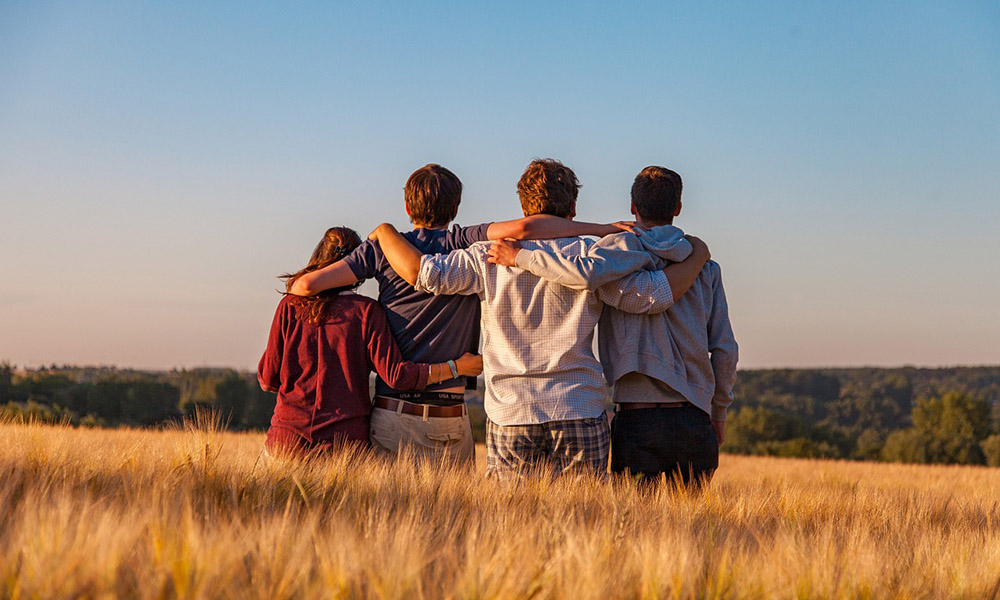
203	513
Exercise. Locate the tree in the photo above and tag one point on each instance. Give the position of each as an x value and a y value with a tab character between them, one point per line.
260	409
946	429
6	382
991	450
232	395
751	428
907	446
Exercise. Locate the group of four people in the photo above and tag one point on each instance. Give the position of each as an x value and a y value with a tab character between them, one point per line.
666	345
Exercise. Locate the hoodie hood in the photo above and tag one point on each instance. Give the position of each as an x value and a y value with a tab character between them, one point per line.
666	243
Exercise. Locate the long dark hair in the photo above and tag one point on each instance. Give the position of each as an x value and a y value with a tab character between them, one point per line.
337	243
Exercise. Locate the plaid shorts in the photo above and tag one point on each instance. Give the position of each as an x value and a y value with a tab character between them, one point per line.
563	447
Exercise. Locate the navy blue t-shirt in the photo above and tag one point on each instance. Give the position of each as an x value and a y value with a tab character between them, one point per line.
428	329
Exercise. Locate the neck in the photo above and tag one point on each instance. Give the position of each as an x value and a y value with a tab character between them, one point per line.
419	226
650	224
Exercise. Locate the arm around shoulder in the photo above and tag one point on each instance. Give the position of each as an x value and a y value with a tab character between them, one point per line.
339	274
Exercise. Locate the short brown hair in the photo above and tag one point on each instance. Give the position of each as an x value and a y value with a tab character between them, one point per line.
432	194
548	187
656	193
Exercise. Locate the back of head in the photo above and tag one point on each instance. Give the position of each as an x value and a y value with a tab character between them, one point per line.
337	243
548	187
656	194
432	195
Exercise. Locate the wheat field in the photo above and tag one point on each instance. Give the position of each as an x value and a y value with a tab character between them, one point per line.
201	513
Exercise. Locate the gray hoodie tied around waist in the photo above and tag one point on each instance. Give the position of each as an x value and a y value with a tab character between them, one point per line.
690	347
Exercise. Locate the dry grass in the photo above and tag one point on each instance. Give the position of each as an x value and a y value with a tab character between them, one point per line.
200	513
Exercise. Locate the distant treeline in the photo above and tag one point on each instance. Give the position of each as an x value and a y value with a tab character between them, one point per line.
905	414
110	397
901	415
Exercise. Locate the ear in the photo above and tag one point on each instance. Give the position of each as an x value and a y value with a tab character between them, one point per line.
631	209
679	206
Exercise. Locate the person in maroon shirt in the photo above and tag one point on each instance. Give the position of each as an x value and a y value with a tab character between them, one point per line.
320	353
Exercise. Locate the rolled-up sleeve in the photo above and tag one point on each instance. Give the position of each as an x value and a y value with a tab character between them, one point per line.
643	292
456	273
599	266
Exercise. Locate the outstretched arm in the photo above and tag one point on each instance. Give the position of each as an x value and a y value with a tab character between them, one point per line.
601	268
538	227
652	292
384	357
331	276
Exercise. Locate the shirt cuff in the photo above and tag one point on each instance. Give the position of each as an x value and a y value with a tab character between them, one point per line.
423	375
523	259
664	295
428	276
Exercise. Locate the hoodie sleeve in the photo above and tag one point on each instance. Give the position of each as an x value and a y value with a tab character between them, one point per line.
722	347
608	260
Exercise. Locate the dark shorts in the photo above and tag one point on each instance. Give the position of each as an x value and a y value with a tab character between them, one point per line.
677	442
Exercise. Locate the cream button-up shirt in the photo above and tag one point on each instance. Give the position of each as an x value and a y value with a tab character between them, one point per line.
538	358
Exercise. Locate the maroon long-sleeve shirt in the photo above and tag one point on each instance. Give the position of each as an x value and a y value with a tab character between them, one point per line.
320	372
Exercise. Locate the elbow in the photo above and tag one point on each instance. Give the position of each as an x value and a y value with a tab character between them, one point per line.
267	388
410	278
302	287
525	229
411	274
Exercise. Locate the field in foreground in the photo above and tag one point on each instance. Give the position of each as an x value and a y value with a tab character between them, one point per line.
200	513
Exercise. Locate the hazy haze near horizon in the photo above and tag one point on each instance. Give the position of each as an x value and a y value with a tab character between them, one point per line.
160	164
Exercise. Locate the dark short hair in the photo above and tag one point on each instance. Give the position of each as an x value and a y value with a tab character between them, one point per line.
548	187
656	193
432	195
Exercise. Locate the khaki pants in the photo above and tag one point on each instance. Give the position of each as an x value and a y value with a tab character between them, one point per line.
433	438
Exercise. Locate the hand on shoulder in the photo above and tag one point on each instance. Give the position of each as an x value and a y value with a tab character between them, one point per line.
504	252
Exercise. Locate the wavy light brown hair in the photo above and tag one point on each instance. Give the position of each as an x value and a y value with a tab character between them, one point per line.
337	243
548	187
432	195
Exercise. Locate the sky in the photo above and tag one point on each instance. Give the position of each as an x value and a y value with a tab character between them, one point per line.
161	163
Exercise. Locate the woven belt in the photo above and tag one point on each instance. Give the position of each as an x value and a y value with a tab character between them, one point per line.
638	405
420	410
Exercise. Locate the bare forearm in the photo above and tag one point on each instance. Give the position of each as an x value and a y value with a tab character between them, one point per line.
333	276
682	275
548	226
538	227
402	256
468	365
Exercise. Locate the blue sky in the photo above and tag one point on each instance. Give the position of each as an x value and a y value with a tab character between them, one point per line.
161	163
